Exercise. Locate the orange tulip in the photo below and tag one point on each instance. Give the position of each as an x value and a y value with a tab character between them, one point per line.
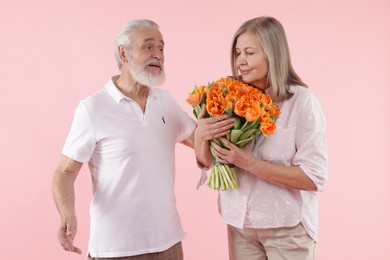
214	103
229	101
241	107
252	114
196	96
274	111
268	128
264	116
215	107
267	100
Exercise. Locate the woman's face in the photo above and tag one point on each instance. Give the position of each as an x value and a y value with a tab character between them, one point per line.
251	61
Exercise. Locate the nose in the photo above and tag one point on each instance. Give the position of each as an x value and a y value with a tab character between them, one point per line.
159	55
240	60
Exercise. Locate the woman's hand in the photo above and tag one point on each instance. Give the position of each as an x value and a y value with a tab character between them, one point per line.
207	129
240	157
212	127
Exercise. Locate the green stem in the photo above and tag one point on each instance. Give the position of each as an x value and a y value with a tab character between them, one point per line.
227	176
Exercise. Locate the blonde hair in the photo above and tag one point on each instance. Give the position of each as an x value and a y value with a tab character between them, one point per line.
272	37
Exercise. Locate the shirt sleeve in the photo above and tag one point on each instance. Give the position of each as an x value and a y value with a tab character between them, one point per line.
311	145
186	124
80	143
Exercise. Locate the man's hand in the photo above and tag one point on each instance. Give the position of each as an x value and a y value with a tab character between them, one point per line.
67	233
63	193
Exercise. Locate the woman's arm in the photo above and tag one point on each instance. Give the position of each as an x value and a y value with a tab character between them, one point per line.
206	130
289	176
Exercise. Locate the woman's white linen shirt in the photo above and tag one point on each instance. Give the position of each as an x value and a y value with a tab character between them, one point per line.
299	140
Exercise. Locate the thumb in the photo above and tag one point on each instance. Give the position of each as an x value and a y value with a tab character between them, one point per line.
202	112
71	229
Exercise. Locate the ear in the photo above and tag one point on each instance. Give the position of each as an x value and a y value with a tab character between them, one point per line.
122	54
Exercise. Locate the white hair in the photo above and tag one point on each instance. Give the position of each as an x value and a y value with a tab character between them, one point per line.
126	35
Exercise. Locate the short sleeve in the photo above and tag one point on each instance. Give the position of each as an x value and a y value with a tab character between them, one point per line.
311	145
80	143
186	124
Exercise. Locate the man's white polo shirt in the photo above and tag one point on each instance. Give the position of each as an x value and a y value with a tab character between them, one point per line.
131	157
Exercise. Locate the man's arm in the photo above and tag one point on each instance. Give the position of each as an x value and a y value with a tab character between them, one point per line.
64	197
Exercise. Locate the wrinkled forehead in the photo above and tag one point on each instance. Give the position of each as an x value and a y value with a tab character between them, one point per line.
146	35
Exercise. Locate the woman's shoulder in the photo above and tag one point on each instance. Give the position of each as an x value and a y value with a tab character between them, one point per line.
301	92
303	96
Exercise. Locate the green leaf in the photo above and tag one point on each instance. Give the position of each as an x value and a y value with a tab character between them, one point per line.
244	142
218	142
229	112
197	110
229	136
252	125
237	123
247	134
235	135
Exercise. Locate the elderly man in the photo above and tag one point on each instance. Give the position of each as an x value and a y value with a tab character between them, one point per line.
127	133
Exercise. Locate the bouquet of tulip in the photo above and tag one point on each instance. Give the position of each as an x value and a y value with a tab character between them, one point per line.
254	113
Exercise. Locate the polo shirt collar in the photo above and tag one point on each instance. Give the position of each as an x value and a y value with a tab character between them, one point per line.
117	95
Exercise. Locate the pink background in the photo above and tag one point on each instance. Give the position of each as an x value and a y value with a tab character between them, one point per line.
54	53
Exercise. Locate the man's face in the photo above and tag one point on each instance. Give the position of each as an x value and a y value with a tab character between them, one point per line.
146	57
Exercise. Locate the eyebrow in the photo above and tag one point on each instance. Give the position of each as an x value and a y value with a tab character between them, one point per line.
245	48
152	39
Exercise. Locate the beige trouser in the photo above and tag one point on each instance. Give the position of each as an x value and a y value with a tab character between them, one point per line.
173	253
291	243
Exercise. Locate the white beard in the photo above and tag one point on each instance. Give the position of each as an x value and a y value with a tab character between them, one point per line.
142	76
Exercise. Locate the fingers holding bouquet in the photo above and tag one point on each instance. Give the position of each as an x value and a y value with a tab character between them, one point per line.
213	127
232	154
230	114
